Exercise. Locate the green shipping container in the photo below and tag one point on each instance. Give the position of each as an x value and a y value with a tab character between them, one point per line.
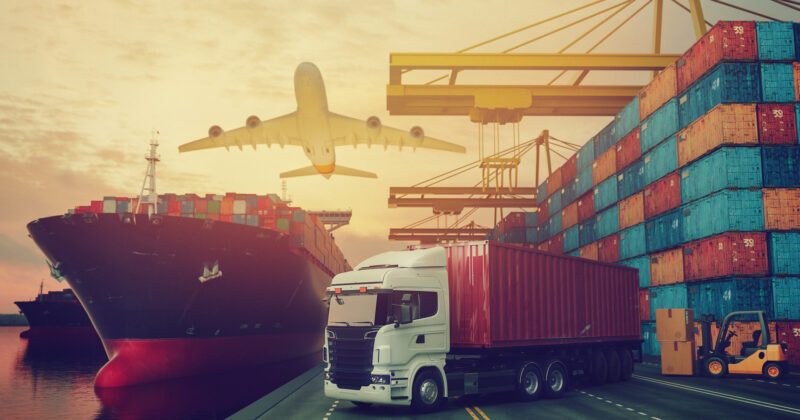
213	207
282	224
199	216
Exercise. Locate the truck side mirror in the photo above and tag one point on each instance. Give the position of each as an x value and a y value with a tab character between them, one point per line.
405	315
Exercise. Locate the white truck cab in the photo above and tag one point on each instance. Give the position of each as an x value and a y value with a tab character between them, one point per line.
388	330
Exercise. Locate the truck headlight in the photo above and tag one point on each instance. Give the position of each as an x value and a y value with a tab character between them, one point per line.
328	375
380	379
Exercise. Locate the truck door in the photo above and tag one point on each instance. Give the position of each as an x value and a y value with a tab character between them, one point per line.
427	331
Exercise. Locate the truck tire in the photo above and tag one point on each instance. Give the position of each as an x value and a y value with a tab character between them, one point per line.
774	370
626	364
614	365
530	383
555	379
426	396
599	368
716	367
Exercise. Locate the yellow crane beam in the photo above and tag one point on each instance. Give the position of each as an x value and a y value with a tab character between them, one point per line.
461	190
457	205
433	236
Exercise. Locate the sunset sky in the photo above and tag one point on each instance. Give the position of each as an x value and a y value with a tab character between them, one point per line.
83	84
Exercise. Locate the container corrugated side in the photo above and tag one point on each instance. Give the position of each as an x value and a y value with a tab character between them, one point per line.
570	239
666	267
727	83
781	166
604	166
631	211
632	242
605	194
631	180
554	204
650	345
605	139
786	297
667	297
662	195
627	119
789	332
775	40
662	160
660	125
727	254
658	92
777	82
664	231
727	167
720	297
642	265
784	249
776	124
725	124
782	209
629	149
585	206
725	41
585	156
727	210
607	222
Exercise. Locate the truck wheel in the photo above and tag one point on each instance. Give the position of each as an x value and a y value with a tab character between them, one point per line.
774	370
716	367
626	364
614	368
556	379
427	393
599	368
530	383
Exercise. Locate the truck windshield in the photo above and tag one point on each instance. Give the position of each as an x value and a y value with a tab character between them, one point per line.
361	309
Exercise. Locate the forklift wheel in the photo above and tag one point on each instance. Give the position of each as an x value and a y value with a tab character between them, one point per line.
774	370
716	367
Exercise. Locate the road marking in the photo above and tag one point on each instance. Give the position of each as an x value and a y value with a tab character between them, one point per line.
618	405
655	418
642	413
481	412
764	404
608	401
471	413
612	402
628	408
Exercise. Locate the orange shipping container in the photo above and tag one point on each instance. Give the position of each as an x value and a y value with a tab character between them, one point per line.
631	211
589	251
666	267
724	124
226	208
604	166
644	304
782	209
677	357
569	216
554	182
674	324
797	81
660	90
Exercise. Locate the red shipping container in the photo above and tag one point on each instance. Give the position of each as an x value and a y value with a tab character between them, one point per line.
585	206
734	40
589	251
631	211
569	216
796	81
226	218
608	249
96	206
541	216
666	267
174	207
782	209
604	166
660	90
544	246
644	305
728	254
510	296
264	203
212	216
514	219
556	245
662	195
568	171
554	182
724	124
226	207
776	124
788	332
200	206
629	149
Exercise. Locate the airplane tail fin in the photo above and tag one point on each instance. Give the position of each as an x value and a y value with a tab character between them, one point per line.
343	170
338	170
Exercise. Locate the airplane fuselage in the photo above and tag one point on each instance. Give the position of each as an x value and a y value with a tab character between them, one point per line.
312	118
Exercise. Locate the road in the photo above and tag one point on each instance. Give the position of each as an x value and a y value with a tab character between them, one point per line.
648	395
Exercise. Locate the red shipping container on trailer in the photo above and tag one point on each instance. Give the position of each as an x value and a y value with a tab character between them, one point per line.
608	249
725	41
660	90
541	215
631	211
589	251
629	149
666	267
724	124
568	171
505	296
554	182
728	254
569	216
782	209
776	124
604	166
662	195
644	304
586	206
788	332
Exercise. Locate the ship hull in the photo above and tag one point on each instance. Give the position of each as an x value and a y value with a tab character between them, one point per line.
139	279
58	323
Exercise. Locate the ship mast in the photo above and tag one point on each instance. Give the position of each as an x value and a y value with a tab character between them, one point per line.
148	194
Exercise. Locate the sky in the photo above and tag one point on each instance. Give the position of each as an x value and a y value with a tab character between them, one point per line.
83	85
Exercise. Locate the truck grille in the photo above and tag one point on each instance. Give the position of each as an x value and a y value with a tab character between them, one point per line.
350	356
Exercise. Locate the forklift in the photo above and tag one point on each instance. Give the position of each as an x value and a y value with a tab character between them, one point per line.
760	356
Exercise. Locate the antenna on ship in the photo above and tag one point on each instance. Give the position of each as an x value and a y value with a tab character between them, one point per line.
284	189
148	194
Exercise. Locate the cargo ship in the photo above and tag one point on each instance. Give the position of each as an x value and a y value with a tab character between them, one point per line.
57	317
185	285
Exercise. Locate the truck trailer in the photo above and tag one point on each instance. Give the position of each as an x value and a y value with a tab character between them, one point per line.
415	327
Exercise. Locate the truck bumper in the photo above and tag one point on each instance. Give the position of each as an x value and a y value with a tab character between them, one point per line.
377	394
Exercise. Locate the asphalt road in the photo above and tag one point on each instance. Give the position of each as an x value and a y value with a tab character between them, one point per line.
648	395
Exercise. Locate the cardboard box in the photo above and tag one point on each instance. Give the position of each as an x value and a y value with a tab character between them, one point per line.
677	358
675	324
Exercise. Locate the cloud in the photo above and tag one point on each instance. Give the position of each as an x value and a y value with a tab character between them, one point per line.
357	248
12	251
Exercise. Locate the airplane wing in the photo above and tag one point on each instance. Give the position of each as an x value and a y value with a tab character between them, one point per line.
350	131
281	131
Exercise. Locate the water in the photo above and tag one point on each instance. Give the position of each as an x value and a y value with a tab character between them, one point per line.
44	381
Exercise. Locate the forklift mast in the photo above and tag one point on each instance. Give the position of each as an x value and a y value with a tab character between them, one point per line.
726	323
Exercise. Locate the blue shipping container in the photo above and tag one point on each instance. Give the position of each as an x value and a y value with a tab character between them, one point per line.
607	222
515	235
554	225
531	218
532	235
571	240
631	180
784	249
541	192
659	125
727	167
585	156
605	194
664	231
575	253
667	297
661	161
786	297
240	219
586	231
632	242
605	139
627	119
727	210
720	297
650	345
583	182
781	166
568	192
554	203
252	220
124	206
643	265
777	82
735	82
187	206
775	40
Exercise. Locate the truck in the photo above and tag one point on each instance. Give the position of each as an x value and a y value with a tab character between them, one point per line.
416	327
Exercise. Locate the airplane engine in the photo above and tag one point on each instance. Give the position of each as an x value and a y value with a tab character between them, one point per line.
215	131
417	132
253	121
373	122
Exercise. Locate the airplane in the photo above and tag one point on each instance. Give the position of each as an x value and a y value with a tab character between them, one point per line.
318	131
